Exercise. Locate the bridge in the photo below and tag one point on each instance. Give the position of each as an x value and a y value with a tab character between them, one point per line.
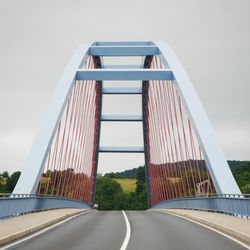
184	165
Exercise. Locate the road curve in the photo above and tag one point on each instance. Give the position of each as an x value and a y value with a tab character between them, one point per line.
149	230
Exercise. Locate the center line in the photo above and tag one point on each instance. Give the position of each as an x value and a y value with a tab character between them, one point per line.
128	233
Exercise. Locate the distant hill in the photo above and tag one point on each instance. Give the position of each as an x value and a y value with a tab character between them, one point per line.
127	174
131	173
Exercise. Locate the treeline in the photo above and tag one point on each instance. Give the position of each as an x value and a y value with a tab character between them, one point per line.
240	170
8	182
127	174
131	173
242	177
235	164
110	196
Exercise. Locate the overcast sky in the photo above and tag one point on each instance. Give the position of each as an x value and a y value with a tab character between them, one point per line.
37	38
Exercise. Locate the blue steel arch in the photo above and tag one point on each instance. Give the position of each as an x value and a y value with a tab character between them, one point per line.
215	160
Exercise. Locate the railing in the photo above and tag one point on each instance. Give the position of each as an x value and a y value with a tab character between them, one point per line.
16	204
234	204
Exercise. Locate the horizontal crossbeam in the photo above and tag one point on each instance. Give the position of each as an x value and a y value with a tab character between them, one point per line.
122	66
121	118
124	74
123	50
122	91
121	150
122	43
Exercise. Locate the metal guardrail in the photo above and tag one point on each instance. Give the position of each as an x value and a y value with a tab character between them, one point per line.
234	204
16	204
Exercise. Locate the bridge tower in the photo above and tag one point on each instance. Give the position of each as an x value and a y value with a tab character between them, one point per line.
182	156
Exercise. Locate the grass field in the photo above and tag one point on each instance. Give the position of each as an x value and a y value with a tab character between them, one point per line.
128	185
3	181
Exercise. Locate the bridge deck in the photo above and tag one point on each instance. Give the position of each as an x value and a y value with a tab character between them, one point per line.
17	227
14	228
234	226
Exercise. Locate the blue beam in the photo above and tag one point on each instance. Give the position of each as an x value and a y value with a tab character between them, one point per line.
124	74
121	118
121	149
121	66
123	50
122	91
124	43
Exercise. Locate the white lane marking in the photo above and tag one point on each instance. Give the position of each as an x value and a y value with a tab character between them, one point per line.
211	228
128	233
41	231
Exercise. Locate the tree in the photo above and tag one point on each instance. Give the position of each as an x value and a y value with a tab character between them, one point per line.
121	201
114	175
11	182
5	174
141	182
246	189
106	191
242	176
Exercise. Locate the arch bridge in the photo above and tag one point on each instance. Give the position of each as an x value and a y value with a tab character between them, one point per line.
185	167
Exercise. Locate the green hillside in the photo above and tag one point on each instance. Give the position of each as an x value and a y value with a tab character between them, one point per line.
131	173
128	185
240	170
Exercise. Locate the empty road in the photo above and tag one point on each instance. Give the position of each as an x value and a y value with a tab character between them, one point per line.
149	230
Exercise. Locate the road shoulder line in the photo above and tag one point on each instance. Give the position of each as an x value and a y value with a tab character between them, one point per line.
238	237
36	230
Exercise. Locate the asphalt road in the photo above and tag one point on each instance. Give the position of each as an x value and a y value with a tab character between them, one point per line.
149	230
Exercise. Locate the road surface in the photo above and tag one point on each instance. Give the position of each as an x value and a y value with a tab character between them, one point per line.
149	230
